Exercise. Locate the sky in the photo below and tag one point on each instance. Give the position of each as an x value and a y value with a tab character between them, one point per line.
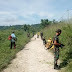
14	12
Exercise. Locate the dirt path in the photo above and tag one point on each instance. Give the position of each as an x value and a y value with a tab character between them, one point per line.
33	58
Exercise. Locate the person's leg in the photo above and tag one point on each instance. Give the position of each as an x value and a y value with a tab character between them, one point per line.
41	36
38	36
11	46
14	45
55	61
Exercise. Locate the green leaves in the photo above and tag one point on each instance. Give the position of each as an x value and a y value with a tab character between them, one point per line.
66	39
6	54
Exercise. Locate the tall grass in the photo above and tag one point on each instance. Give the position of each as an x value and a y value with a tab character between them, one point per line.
66	39
7	54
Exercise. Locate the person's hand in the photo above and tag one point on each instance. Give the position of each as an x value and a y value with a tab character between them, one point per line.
62	45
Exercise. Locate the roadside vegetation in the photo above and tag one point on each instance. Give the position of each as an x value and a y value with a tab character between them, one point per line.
7	54
48	28
66	39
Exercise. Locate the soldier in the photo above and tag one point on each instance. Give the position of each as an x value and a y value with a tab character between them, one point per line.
56	49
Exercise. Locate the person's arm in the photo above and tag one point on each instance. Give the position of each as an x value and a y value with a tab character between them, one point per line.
55	43
15	35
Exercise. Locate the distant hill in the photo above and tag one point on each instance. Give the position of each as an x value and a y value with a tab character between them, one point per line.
8	27
36	26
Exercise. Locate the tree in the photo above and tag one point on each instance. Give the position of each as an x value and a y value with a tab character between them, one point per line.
45	22
25	27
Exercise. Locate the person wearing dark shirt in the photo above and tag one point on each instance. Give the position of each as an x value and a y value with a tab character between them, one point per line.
41	35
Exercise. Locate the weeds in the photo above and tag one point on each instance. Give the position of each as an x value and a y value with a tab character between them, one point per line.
6	54
66	39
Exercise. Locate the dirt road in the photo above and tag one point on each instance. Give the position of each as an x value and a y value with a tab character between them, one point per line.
33	58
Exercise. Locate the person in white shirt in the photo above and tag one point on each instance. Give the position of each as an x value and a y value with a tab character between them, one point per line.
13	40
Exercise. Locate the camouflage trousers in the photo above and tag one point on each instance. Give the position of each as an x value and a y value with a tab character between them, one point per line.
56	57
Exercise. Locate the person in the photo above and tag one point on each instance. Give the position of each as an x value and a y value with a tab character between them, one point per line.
28	34
44	41
38	34
33	33
56	48
13	39
41	35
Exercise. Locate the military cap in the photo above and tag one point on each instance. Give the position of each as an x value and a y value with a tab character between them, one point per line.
58	30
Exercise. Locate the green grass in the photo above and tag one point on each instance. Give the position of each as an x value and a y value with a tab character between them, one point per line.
6	54
66	39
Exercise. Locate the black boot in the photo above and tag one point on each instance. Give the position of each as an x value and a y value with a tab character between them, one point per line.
56	67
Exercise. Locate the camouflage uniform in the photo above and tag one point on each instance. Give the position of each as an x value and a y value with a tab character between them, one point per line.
56	51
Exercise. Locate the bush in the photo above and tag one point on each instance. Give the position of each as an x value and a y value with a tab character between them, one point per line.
66	39
6	54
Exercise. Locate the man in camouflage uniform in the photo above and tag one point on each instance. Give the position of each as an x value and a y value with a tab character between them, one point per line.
56	49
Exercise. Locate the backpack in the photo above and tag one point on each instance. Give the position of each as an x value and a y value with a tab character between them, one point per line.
49	44
9	38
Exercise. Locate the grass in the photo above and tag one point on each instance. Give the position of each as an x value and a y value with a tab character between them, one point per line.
6	54
66	39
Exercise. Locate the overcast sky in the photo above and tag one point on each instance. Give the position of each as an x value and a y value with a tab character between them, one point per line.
14	12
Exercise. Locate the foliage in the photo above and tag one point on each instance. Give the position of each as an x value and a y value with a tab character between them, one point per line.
66	39
6	54
45	22
11	27
28	28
